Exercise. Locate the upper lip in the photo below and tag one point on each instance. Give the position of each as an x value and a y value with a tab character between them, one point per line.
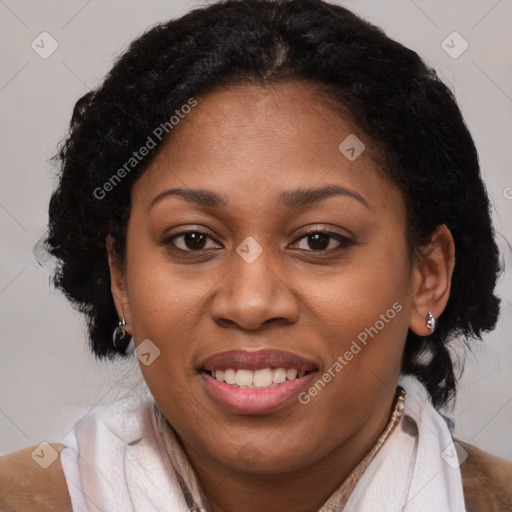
257	360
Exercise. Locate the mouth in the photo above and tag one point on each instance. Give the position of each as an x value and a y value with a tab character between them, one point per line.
256	382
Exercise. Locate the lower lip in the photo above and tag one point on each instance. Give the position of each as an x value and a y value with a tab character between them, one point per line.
254	400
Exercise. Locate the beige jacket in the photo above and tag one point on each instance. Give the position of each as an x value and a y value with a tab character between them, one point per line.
487	481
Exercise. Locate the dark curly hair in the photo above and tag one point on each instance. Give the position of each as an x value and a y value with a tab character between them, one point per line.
397	101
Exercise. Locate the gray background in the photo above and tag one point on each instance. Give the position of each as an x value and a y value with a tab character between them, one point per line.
48	379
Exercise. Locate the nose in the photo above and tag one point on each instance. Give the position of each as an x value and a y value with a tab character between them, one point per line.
252	294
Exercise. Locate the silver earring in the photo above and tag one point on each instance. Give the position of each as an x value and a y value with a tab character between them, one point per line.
431	321
120	338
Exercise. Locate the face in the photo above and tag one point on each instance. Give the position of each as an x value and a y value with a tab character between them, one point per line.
279	311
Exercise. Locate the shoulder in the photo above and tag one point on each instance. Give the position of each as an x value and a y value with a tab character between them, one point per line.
34	480
486	480
30	486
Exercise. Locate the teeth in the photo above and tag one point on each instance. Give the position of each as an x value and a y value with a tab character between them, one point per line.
230	376
291	373
262	378
267	377
244	377
279	375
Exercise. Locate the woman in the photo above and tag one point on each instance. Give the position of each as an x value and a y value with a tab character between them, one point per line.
279	206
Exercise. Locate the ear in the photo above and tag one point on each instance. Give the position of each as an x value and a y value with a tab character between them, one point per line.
432	280
118	284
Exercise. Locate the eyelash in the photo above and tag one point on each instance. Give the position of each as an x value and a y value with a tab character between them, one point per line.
344	241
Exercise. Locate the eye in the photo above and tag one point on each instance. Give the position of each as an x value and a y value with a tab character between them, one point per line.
189	241
317	241
322	241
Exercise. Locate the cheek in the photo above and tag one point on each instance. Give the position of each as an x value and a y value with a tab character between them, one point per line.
161	295
363	311
355	298
162	310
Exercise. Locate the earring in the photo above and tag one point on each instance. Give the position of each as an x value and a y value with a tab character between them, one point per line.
431	321
120	338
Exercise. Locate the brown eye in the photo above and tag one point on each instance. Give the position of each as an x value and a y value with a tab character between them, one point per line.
323	241
189	241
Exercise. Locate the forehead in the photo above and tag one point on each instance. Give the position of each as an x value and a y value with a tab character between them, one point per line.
250	143
277	121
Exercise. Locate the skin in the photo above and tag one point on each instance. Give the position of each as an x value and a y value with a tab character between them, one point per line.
249	144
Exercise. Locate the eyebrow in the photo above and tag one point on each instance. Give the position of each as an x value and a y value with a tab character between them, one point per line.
291	200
